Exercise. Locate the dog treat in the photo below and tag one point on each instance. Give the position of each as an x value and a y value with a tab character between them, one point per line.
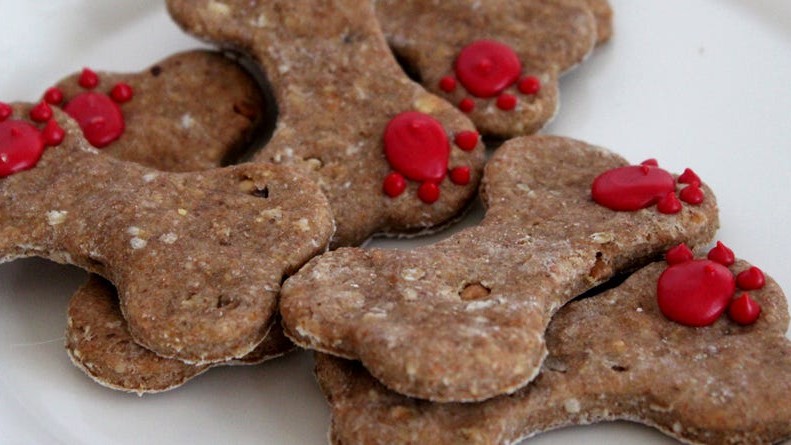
612	356
197	258
498	60
390	157
97	338
464	319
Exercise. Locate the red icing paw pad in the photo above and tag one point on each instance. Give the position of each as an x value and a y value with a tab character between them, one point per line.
53	96
669	205
99	117
21	146
428	192
88	79
679	254
394	185
722	254
529	85
466	140
695	293
466	105
5	111
460	175
751	279
744	310
41	112
486	68
417	147
692	194
632	187
689	177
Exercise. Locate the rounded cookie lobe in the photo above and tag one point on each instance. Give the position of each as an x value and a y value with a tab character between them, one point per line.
464	319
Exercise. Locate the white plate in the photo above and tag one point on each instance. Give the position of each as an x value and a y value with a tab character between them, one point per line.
698	83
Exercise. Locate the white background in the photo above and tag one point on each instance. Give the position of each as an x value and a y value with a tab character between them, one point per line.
693	83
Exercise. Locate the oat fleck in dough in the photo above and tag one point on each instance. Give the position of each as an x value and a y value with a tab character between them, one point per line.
547	37
464	319
337	87
611	357
195	257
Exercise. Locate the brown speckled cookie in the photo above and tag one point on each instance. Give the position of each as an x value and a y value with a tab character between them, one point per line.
197	258
612	356
464	319
497	60
338	87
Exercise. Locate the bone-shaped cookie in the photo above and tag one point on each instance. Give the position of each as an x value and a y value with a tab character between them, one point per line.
498	60
338	90
464	319
197	258
612	356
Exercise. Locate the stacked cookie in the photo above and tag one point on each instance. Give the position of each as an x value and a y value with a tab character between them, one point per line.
457	342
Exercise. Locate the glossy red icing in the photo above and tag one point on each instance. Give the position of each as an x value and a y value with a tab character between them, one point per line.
466	140
21	146
53	96
416	146
394	185
722	254
5	111
121	93
506	102
744	310
650	162
428	192
669	205
447	84
529	85
695	293
460	175
486	68
692	194
53	134
751	279
689	177
41	112
466	105
88	79
99	117
632	187
679	254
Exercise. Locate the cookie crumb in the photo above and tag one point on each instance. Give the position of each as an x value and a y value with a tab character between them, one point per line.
413	274
56	217
572	406
187	121
169	238
138	243
219	8
148	177
182	212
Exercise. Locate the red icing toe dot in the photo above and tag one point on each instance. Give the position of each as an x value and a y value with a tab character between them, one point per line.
722	254
53	96
41	112
428	192
466	105
751	279
466	140
416	146
695	293
506	102
744	310
394	185
21	146
692	194
529	85
650	162
669	205
121	93
689	177
679	254
88	79
632	188
460	175
5	111
487	67
99	117
447	84
53	134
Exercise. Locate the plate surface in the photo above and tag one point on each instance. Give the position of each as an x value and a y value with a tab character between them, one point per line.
698	83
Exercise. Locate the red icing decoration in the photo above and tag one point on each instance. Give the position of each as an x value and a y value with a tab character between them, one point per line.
669	205
689	177
466	140
466	105
650	162
751	279
53	135
679	254
99	117
695	293
722	254
41	112
5	111
447	84
53	96
88	79
744	310
428	192
632	187
486	68
416	146
21	146
394	185
121	93
506	102
692	194
460	175
529	85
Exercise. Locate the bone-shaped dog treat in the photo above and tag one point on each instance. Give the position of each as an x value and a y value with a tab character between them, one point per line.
612	356
170	95
341	98
497	60
197	257
464	319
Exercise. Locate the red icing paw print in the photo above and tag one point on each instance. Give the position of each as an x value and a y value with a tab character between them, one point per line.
485	69
637	187
697	292
418	149
98	114
22	143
